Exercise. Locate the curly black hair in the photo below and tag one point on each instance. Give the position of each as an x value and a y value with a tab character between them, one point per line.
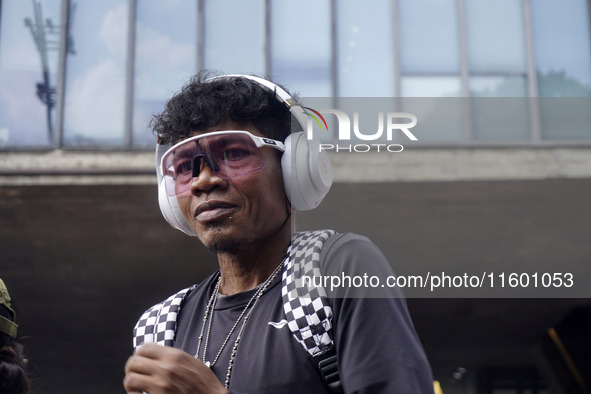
203	104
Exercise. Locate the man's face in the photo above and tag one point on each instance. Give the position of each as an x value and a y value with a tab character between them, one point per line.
229	214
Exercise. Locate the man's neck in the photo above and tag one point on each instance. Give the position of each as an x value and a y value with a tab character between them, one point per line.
247	267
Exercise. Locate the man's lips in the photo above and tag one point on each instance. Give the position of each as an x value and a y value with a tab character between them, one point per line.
214	210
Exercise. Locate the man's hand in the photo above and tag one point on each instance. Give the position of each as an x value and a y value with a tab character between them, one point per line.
156	369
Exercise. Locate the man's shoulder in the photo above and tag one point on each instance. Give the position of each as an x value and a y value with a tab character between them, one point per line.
158	323
348	258
332	238
348	243
340	239
338	248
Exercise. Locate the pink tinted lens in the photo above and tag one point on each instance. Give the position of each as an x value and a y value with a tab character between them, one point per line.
230	155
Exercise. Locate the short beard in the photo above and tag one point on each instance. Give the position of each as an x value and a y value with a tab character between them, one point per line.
223	244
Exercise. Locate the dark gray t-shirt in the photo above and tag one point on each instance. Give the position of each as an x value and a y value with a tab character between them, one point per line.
377	347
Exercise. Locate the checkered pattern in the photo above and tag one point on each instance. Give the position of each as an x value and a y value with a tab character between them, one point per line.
158	324
306	307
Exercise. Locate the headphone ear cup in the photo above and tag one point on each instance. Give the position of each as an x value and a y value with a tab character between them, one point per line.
307	173
170	210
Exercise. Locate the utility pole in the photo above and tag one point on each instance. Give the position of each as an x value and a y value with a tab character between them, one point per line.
46	37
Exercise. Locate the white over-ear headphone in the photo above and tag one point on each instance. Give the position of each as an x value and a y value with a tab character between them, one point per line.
307	172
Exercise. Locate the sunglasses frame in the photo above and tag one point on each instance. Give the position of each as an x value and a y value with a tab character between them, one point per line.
258	141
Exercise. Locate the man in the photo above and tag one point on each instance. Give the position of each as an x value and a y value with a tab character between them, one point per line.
228	178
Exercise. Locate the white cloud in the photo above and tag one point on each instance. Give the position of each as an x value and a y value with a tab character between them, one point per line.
113	31
95	103
162	64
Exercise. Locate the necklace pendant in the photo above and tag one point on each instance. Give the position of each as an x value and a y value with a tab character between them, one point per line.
208	364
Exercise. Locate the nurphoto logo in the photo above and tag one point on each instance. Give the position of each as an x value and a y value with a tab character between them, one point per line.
395	123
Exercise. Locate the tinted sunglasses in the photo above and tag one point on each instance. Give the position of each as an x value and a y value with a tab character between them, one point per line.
228	154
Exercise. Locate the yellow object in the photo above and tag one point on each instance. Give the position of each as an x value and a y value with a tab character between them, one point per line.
437	387
567	359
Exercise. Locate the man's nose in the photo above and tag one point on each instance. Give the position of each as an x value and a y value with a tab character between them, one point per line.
202	159
205	175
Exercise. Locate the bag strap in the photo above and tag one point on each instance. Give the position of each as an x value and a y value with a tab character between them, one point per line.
307	308
158	324
329	369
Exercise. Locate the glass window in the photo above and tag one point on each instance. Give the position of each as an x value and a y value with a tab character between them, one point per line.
235	36
565	118
500	119
562	48
94	112
365	48
498	86
29	51
496	36
165	58
431	86
302	60
500	109
439	110
563	60
429	39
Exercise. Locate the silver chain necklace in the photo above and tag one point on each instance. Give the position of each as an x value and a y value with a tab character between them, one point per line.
208	318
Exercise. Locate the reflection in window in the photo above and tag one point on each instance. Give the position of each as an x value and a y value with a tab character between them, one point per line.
500	108
165	58
563	60
562	48
235	36
496	36
29	50
302	60
565	118
429	37
365	42
498	86
95	80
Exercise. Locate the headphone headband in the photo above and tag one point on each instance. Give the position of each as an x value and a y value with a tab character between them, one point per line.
284	97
